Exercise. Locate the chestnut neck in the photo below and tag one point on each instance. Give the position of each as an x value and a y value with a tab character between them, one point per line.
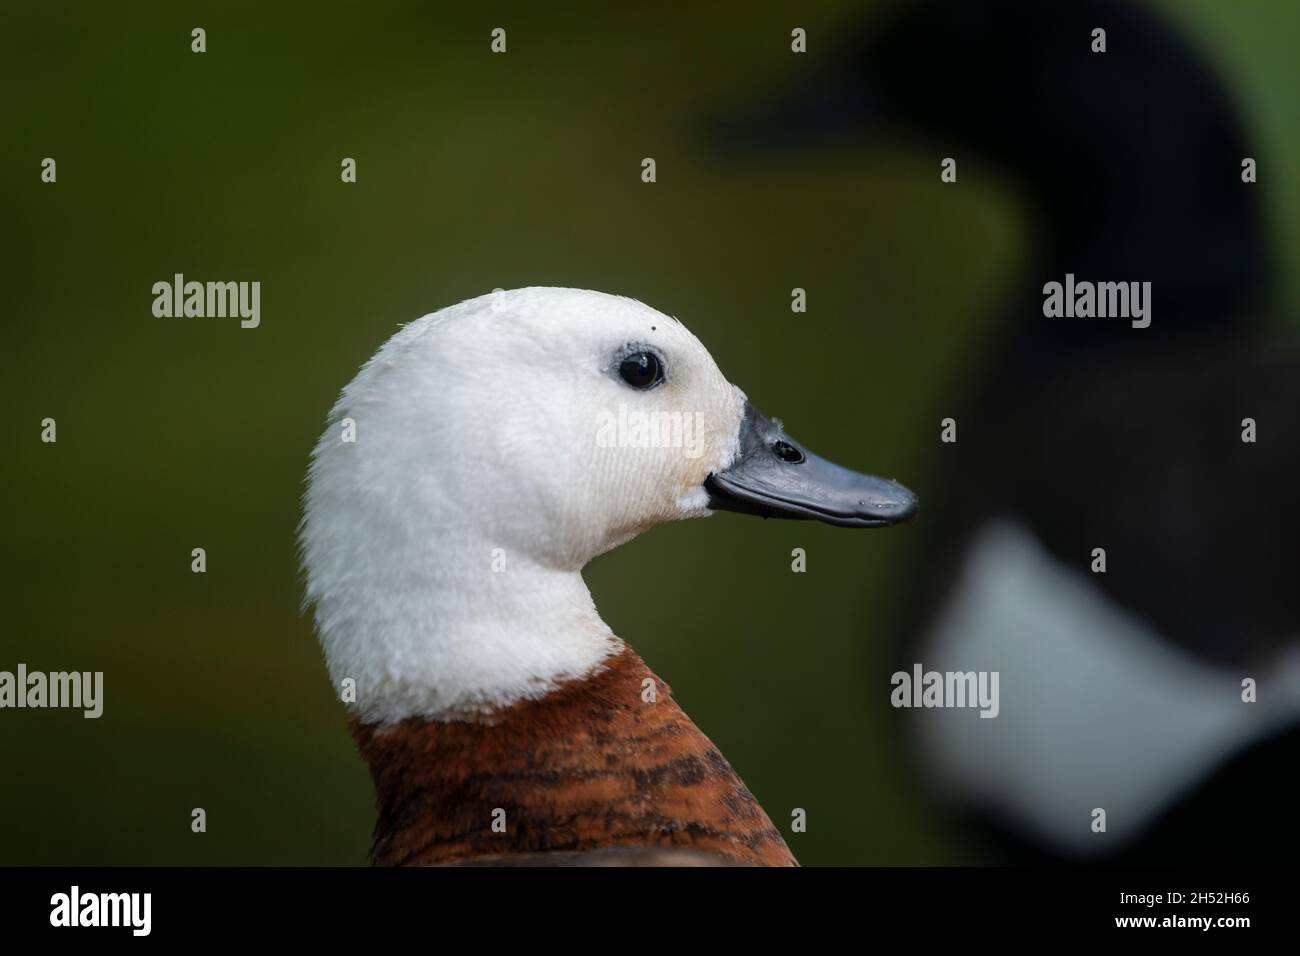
607	760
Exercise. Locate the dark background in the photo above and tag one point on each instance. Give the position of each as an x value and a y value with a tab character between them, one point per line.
475	171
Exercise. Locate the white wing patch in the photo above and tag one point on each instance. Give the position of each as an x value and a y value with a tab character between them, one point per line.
1096	710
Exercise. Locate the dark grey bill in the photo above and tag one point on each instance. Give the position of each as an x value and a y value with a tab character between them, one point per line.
776	477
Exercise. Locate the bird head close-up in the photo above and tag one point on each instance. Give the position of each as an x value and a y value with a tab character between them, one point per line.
476	463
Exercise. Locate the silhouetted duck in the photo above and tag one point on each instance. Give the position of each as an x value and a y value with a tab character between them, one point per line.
1120	690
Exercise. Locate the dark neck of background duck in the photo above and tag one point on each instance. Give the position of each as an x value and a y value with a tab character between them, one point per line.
1177	216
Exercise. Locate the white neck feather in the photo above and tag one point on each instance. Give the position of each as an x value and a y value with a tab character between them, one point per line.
463	635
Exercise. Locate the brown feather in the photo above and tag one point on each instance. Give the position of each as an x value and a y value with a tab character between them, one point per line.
589	766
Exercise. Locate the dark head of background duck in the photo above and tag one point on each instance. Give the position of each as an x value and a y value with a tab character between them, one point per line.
1128	162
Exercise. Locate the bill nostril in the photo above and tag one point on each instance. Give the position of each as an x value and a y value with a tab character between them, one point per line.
787	452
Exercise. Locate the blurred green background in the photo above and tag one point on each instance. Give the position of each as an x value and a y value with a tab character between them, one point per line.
475	171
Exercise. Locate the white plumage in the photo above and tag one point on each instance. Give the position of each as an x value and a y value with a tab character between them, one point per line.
443	547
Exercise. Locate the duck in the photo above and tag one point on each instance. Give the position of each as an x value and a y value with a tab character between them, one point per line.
1124	682
464	478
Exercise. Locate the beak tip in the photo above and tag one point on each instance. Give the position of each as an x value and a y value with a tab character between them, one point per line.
908	510
901	509
888	503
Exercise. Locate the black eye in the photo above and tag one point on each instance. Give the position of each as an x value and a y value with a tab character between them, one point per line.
787	452
641	370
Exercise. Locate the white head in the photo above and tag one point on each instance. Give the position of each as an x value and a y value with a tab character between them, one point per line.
475	464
